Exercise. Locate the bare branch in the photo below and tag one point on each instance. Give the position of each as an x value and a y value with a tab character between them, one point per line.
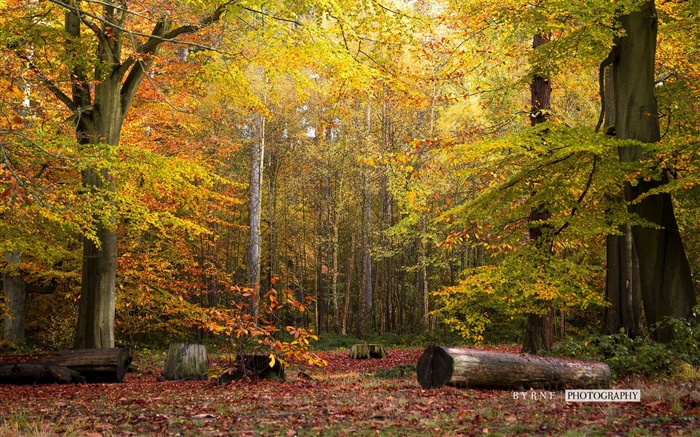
48	83
256	11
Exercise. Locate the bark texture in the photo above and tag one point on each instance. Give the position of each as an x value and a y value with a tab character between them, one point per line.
539	329
666	283
186	361
469	368
37	374
95	365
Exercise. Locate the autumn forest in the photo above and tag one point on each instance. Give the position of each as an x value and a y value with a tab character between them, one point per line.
264	172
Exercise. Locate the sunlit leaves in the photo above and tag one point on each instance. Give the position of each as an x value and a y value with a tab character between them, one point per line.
526	281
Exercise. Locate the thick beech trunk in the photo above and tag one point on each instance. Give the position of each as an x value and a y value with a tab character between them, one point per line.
483	369
666	283
623	291
186	361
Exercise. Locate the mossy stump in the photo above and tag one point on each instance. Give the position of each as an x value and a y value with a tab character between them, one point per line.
365	350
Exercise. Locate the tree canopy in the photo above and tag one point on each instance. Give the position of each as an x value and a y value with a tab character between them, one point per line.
389	148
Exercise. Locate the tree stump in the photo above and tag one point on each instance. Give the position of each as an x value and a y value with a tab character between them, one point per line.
363	351
483	369
186	361
254	366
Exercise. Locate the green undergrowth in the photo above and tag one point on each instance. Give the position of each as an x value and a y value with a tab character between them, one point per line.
641	355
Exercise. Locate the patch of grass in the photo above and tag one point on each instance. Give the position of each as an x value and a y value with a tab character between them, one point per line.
686	372
399	371
22	425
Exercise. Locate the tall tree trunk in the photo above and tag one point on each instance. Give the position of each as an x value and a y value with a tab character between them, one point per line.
15	292
98	121
348	284
424	290
666	283
366	301
334	275
539	328
366	254
101	125
257	156
622	288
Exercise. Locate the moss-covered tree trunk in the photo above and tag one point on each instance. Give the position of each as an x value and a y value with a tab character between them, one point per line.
666	283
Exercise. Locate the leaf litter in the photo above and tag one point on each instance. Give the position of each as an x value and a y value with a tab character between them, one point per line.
348	397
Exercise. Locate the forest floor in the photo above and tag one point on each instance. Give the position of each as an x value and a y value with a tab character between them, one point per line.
348	397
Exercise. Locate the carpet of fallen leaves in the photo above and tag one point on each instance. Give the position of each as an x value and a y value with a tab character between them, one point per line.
348	397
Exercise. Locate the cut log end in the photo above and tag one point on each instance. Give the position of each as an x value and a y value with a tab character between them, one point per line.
440	366
434	367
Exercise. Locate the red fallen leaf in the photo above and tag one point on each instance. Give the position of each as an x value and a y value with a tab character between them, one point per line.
291	432
655	404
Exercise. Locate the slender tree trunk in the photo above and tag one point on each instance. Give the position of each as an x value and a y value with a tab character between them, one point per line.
257	155
424	290
367	307
348	284
366	254
666	283
334	275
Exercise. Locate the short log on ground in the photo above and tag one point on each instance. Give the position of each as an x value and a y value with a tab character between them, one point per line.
25	373
254	366
470	368
95	365
186	361
362	351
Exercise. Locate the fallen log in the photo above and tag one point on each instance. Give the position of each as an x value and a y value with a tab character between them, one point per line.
363	351
24	373
186	362
470	368
95	365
